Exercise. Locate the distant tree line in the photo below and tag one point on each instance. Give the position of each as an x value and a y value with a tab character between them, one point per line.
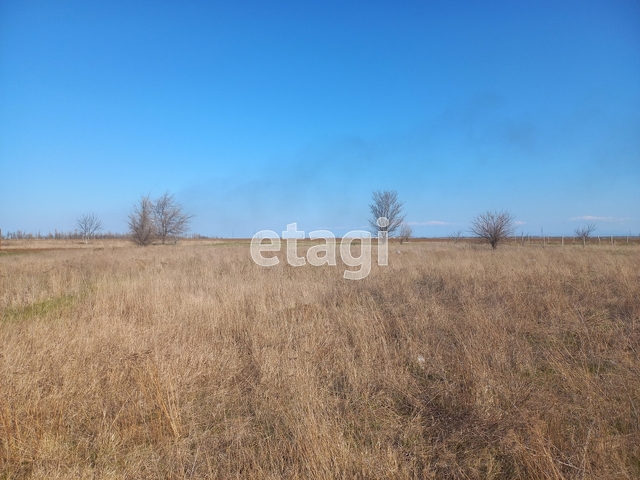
76	235
161	219
491	227
60	235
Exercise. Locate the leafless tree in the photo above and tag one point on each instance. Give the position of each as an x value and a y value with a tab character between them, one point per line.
493	227
585	232
456	236
141	222
88	225
386	205
406	232
169	220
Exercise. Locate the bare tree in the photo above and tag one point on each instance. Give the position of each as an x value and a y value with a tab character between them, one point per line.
406	232
585	232
456	236
88	225
141	222
169	220
493	227
386	205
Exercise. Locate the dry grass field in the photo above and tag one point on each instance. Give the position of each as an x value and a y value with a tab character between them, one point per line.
190	361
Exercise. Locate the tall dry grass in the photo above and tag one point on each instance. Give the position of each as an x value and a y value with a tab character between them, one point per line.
192	362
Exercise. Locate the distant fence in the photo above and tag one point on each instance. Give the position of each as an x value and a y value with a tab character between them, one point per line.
571	240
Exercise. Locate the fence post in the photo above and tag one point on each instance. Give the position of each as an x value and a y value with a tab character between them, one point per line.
0	239
563	240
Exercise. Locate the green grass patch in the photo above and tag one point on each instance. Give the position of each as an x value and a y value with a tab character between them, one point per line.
8	253
227	244
39	309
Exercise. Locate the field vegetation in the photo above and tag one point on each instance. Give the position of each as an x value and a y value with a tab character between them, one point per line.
190	361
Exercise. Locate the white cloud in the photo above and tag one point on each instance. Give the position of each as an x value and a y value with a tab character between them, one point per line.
519	222
592	218
430	223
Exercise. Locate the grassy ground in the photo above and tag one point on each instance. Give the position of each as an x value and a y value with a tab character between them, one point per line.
193	362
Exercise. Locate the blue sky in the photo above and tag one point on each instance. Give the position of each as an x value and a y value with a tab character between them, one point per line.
260	114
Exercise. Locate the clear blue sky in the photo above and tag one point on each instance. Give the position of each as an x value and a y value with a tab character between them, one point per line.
259	114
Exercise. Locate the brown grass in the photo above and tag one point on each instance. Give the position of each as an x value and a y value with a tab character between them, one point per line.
192	362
